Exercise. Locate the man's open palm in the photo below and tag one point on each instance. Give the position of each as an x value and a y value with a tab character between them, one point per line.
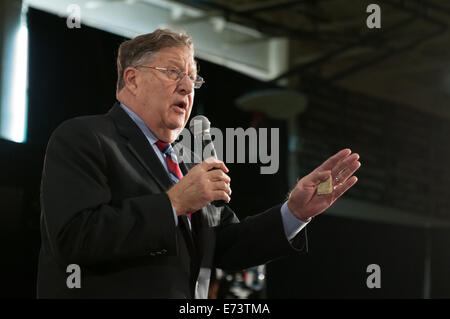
305	203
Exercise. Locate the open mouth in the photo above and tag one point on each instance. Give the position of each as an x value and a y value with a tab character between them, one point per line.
181	105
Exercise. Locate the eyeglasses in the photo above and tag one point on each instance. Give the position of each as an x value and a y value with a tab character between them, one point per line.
177	75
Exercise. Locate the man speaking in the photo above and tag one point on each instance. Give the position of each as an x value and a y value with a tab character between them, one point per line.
118	206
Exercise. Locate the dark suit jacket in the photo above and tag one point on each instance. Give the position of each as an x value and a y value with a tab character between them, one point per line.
104	208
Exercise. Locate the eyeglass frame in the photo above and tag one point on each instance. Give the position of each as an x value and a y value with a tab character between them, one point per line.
198	81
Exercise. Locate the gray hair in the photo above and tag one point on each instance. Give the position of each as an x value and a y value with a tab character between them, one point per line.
142	48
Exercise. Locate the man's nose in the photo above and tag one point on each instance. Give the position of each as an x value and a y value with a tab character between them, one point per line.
185	85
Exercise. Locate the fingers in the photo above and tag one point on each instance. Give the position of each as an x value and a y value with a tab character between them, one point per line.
333	160
344	162
215	183
344	170
218	175
317	177
341	189
220	195
220	191
212	162
221	186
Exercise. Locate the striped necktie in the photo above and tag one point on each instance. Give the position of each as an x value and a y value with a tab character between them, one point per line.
171	161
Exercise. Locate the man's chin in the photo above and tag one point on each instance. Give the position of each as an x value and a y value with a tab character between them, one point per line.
175	129
177	126
177	123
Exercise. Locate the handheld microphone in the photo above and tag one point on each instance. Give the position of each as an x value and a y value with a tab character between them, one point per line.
200	128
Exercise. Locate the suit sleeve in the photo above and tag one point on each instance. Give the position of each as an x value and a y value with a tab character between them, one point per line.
79	220
255	240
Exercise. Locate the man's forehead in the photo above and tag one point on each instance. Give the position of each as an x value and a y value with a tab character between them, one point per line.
192	62
182	56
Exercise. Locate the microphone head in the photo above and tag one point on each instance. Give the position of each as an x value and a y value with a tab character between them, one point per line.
199	124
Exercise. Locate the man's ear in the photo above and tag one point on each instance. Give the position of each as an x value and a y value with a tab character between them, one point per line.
130	77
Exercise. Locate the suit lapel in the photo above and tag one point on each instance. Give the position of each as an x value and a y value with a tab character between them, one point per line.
140	147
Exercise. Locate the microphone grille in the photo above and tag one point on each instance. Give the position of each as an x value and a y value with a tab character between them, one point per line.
199	124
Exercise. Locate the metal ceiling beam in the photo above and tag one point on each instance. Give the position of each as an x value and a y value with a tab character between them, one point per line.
263	25
380	58
423	15
442	27
336	52
259	6
273	28
438	8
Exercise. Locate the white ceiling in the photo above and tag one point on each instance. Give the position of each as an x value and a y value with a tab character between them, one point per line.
228	44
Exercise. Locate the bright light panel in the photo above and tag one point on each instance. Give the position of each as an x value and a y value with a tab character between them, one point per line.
15	109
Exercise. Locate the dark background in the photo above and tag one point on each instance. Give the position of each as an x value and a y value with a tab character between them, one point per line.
72	72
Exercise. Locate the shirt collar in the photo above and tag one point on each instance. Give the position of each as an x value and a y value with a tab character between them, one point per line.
140	123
